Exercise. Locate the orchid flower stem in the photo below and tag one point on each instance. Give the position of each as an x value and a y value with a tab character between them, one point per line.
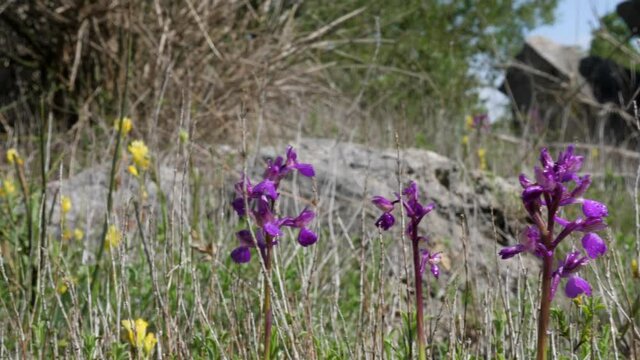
545	299
267	298
419	302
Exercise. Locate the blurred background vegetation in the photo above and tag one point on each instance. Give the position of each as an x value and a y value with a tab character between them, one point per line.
411	59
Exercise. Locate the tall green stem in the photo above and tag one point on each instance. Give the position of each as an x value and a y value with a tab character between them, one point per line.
547	272
545	308
268	321
422	355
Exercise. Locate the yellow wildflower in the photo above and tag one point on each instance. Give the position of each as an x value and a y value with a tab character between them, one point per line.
138	336
149	342
78	234
577	300
469	122
67	234
140	154
63	284
8	188
465	140
113	238
14	157
127	125
133	170
65	204
482	156
634	269
62	288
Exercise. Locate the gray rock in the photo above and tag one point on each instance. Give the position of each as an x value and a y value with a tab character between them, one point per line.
348	175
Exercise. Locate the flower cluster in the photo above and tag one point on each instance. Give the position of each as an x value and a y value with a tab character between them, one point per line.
67	232
140	154
557	185
138	337
113	238
7	188
13	157
261	199
415	212
127	125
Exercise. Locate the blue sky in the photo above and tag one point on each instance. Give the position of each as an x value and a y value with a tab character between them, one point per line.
575	19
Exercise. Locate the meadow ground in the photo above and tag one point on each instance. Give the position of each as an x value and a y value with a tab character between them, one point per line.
119	226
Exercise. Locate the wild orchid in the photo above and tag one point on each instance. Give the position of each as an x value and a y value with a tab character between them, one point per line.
258	202
415	212
557	185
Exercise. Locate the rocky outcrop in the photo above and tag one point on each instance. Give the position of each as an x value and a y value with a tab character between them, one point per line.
347	176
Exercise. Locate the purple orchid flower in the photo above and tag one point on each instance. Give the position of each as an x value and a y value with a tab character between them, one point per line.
415	212
261	199
557	184
567	269
432	260
279	168
306	237
258	203
530	241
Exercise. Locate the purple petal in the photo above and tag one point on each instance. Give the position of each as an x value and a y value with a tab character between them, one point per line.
272	229
530	238
594	209
561	221
304	218
291	154
424	258
572	163
427	209
532	193
241	255
244	237
511	251
577	286
435	270
411	191
265	187
544	178
307	237
572	263
305	170
545	158
385	221
583	184
524	181
382	203
591	225
272	172
593	245
238	206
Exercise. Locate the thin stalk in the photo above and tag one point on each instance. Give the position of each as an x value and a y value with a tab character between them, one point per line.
24	187
545	307
545	297
267	298
422	355
114	165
